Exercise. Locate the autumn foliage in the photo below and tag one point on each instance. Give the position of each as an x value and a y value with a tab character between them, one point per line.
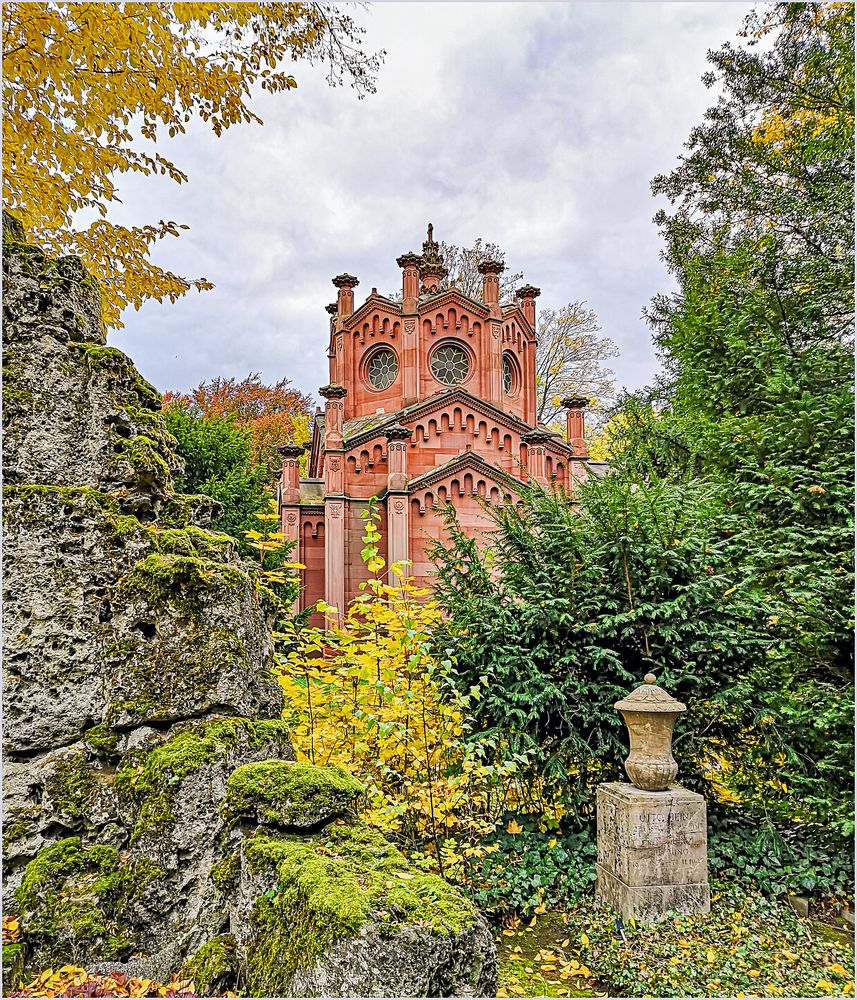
90	89
273	414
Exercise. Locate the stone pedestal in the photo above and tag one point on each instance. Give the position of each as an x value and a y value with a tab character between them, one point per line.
652	851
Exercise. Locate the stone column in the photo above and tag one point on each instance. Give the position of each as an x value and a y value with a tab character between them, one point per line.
290	500
527	294
535	442
492	379
398	536
409	263
345	283
575	425
334	497
652	837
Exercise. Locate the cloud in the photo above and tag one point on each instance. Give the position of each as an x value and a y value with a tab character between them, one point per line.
535	126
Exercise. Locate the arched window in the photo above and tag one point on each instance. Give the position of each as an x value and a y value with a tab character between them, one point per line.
511	375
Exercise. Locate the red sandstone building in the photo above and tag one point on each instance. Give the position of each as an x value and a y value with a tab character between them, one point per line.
432	400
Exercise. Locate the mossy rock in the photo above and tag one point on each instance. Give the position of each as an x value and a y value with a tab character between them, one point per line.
331	890
73	902
13	966
151	778
70	786
225	873
297	797
102	741
213	968
182	509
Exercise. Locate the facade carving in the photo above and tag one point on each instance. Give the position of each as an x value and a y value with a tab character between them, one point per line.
431	401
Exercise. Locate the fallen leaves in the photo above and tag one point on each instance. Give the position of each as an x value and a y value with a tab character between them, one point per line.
72	981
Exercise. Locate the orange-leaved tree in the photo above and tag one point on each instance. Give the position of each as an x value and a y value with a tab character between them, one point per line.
273	414
90	88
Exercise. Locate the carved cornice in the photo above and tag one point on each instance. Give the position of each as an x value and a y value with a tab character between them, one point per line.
424	409
333	391
468	461
372	303
345	281
449	296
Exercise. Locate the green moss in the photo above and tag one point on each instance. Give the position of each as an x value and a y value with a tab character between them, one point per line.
212	966
101	740
18	823
288	794
70	785
225	872
13	965
150	778
326	890
72	900
166	578
143	454
192	541
22	503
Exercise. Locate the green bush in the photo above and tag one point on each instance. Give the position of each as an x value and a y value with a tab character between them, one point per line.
218	463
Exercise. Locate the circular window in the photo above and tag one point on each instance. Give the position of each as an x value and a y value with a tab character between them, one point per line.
382	369
450	364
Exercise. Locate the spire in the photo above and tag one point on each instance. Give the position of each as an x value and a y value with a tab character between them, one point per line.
432	271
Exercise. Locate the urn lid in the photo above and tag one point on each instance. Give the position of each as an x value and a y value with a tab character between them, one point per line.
648	697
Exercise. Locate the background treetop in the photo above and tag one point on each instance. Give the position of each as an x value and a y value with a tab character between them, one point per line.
90	88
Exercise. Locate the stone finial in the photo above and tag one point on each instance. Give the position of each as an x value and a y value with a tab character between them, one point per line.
536	437
490	266
398	432
291	450
432	270
333	391
574	403
332	308
409	259
650	714
528	292
345	281
306	445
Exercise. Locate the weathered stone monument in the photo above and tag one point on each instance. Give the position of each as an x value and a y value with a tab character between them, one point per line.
652	842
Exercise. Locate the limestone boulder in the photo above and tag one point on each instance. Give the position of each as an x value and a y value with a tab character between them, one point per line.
346	914
110	621
299	798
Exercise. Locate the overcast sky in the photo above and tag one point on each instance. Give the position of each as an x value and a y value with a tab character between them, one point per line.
535	126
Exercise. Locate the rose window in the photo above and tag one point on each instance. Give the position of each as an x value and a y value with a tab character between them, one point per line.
450	364
383	369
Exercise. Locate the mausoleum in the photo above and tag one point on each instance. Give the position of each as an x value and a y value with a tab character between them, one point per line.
431	401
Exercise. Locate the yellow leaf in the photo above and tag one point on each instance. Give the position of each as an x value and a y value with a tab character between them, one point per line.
584	940
513	827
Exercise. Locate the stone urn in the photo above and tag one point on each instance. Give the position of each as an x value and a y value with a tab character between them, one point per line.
650	714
